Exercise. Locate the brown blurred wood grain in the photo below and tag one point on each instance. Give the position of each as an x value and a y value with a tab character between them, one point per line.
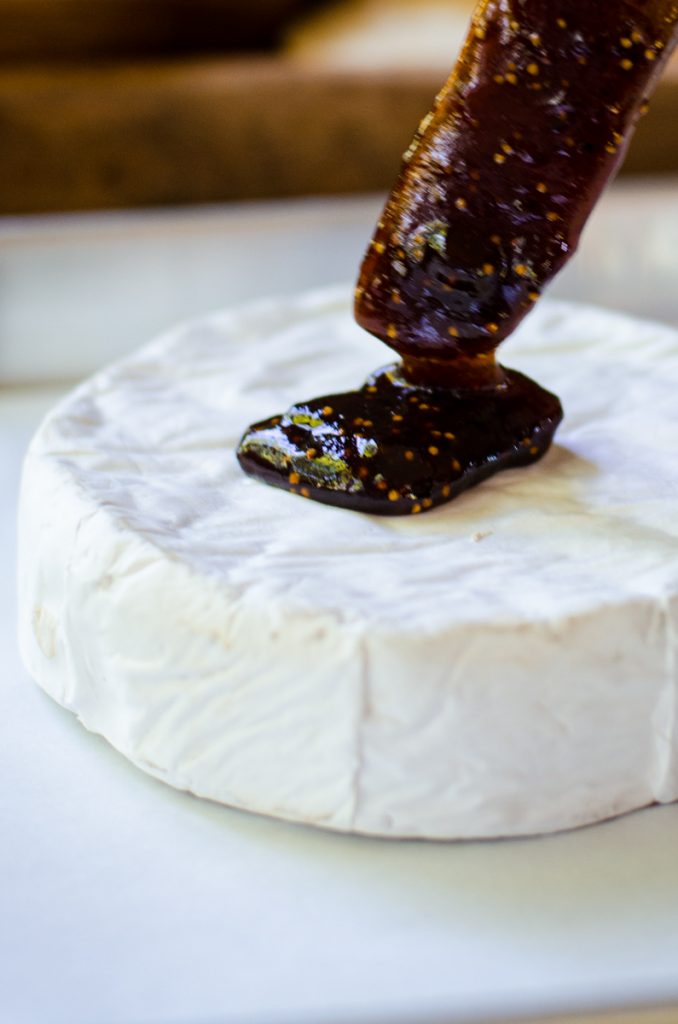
198	131
184	131
654	149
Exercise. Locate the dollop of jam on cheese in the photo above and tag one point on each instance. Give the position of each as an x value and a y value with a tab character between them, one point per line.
490	203
394	448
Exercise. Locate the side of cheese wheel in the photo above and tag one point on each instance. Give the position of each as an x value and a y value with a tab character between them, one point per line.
504	665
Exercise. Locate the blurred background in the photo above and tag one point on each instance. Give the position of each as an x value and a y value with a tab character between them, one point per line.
164	157
122	103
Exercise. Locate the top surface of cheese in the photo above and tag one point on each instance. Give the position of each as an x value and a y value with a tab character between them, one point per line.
153	439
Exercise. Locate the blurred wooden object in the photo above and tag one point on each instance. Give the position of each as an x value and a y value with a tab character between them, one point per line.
198	131
59	30
130	134
654	149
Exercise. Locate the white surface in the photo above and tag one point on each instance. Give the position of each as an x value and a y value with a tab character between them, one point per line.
388	676
125	902
109	282
78	291
393	34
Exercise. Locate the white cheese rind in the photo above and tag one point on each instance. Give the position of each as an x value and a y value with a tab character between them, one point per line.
501	666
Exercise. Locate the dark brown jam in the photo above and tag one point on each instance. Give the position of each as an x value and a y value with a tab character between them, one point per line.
489	205
503	173
395	448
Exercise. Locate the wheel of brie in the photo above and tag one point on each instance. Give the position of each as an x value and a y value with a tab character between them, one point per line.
503	665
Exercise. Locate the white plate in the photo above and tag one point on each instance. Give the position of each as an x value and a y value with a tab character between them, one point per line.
124	901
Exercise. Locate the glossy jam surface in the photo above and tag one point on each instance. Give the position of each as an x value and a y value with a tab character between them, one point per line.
394	448
505	170
492	197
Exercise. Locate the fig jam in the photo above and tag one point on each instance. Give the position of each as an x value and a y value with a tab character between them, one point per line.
397	448
490	203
